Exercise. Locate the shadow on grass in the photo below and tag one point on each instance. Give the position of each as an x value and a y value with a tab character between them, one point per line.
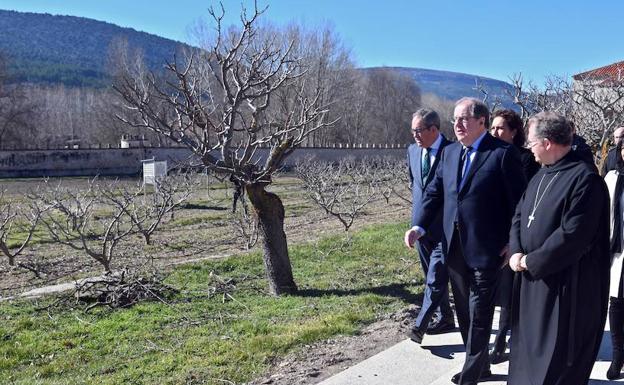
396	290
199	206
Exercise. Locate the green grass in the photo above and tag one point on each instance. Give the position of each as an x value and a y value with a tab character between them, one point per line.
199	337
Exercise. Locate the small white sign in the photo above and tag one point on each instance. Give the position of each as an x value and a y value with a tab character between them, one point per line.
153	171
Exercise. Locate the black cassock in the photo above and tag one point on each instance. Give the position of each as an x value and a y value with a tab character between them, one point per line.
559	304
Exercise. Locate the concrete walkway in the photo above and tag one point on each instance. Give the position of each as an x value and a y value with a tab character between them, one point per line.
436	360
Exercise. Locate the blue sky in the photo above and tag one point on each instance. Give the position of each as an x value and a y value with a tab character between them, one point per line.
489	38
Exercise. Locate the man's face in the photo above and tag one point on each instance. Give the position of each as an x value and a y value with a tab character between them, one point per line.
536	145
467	128
500	129
618	135
423	136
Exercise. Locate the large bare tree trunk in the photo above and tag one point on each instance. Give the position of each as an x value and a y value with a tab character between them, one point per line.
270	211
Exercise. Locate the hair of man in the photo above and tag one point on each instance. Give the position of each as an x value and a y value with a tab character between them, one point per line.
551	126
514	122
428	116
477	109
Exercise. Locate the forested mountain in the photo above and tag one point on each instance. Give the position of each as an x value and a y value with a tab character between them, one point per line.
42	48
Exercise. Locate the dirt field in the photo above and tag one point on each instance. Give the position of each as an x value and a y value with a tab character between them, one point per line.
202	229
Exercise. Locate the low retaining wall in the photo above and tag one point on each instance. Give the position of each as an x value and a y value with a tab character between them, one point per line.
127	161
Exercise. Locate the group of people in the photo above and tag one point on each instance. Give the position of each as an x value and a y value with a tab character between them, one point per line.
521	219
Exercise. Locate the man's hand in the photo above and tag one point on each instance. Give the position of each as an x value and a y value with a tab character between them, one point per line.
411	236
514	262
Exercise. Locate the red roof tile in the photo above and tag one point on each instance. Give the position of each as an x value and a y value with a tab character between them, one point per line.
613	71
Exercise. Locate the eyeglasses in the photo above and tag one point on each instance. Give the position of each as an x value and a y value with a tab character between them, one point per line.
419	130
532	144
461	119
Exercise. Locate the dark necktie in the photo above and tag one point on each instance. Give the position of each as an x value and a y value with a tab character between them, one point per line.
426	165
464	164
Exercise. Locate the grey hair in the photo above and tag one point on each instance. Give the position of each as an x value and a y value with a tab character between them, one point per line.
553	127
429	117
477	109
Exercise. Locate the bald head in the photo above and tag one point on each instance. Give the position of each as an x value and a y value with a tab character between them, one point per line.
618	135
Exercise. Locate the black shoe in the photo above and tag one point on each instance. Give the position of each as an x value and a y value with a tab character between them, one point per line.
416	335
484	375
441	327
615	369
496	357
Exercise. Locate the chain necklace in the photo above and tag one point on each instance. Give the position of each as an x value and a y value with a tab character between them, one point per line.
538	197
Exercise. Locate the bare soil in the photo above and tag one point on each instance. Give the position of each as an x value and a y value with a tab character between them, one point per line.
204	229
317	362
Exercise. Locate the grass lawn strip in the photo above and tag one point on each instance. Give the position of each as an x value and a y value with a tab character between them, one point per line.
222	326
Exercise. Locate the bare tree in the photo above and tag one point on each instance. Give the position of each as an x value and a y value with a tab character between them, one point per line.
598	107
17	113
246	90
390	177
444	108
147	214
392	98
18	224
71	221
595	104
342	190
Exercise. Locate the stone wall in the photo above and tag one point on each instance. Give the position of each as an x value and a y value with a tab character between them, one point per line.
127	161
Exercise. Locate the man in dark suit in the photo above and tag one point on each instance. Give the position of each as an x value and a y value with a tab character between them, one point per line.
610	163
423	157
476	186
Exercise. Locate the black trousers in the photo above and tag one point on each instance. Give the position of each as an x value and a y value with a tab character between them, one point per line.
474	291
503	296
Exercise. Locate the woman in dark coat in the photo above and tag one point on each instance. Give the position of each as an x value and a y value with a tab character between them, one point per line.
615	183
507	125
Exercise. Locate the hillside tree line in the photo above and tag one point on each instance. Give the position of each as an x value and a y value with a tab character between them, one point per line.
364	105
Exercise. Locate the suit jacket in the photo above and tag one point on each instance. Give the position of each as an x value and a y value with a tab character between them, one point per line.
414	164
482	209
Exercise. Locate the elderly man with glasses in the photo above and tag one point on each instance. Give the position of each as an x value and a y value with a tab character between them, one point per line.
476	187
423	157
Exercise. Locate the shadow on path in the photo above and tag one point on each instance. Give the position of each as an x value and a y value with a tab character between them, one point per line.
445	351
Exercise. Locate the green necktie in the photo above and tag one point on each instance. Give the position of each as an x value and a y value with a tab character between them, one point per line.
426	165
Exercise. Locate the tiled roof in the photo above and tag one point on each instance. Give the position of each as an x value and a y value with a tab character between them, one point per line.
613	71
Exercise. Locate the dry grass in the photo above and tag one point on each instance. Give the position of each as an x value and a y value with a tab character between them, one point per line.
201	230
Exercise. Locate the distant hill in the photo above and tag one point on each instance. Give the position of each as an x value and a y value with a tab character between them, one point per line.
43	48
455	85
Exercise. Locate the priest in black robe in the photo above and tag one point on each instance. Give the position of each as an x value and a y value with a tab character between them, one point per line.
560	248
